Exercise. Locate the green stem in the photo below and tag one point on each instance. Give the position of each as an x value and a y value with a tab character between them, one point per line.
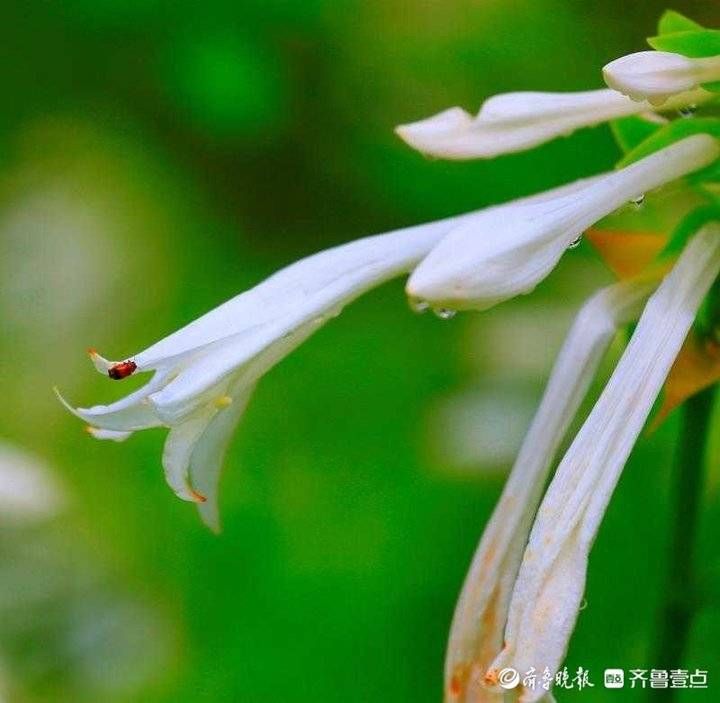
681	594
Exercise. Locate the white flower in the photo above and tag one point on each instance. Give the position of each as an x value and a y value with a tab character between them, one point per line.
205	372
517	121
656	75
550	584
509	249
477	630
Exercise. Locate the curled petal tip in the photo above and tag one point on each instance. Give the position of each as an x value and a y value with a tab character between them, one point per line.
196	497
117	370
67	405
430	135
102	365
189	494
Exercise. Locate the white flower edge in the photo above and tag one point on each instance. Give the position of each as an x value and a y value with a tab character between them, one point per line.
205	372
476	633
513	122
655	76
547	594
207	367
508	250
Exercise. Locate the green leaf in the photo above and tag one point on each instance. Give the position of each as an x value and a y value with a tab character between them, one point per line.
631	131
687	227
695	43
670	133
672	21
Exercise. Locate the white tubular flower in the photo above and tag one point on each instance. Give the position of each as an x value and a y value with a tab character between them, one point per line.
476	634
550	584
508	250
514	122
204	373
656	75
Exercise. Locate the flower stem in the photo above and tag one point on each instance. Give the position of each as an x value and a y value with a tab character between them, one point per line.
681	593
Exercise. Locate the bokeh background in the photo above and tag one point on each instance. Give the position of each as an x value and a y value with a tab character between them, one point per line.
155	159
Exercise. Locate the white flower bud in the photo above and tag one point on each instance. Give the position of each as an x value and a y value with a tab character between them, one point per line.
508	250
551	581
478	625
514	122
657	75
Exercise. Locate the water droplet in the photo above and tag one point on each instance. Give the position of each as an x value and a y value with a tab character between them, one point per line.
638	200
575	242
445	313
584	604
687	111
418	305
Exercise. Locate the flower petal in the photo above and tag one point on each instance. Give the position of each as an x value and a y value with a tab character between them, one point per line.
477	630
656	75
112	435
133	412
101	364
508	250
551	580
374	260
178	449
252	357
513	122
380	257
209	452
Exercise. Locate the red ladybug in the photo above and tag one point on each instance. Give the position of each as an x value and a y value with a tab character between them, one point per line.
122	370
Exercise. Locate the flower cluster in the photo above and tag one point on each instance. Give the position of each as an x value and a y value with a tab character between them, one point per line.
523	591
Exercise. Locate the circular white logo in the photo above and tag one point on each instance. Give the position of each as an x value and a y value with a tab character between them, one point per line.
508	678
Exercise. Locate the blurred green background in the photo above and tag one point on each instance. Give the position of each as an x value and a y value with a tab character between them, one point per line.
155	159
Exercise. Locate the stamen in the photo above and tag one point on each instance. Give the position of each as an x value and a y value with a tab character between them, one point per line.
223	401
113	435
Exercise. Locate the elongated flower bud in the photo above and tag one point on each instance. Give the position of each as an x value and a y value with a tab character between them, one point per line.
657	75
477	630
551	581
514	122
508	250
